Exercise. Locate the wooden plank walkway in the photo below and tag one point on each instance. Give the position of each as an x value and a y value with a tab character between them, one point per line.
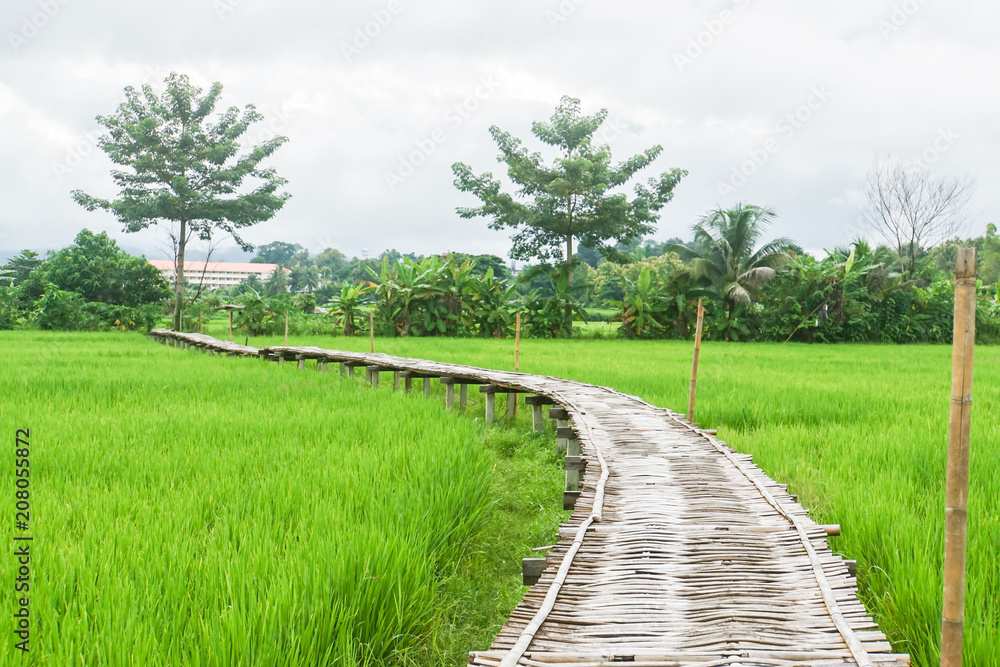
679	551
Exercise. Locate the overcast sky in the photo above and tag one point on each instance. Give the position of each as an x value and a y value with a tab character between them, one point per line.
773	102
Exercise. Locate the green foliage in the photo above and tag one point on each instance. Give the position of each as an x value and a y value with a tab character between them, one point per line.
345	308
723	252
492	305
576	197
178	165
277	252
552	315
18	268
277	282
95	268
61	310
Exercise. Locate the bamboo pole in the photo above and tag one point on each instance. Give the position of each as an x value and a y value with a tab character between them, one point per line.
371	330
957	488
286	328
694	365
201	326
230	313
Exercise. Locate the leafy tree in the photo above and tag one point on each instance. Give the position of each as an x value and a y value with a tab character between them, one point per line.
990	262
18	268
178	166
277	252
575	198
723	253
99	271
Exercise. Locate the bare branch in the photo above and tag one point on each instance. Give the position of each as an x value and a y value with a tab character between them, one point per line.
913	209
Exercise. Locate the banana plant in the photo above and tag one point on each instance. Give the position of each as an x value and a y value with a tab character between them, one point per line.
643	307
345	308
492	306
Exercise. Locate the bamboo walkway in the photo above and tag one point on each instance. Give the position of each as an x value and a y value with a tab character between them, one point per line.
679	551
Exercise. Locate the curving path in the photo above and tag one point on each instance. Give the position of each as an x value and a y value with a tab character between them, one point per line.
679	550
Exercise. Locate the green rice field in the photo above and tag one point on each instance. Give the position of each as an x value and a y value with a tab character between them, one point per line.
208	511
189	510
859	433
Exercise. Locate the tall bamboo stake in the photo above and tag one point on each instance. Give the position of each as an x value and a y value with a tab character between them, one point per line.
201	326
957	489
517	356
230	313
371	330
286	328
694	365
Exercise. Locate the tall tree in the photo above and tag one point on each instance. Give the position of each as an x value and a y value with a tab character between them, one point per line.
277	252
180	165
18	268
277	283
913	209
577	197
723	251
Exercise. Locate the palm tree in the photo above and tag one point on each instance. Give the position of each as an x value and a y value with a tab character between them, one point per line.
723	254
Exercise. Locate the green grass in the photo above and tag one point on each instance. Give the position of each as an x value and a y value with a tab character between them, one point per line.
192	510
858	432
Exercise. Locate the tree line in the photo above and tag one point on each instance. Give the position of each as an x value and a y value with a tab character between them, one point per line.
185	170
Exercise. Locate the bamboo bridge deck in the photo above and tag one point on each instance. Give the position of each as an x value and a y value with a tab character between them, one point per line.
679	550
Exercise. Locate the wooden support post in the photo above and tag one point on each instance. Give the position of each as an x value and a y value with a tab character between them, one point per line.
371	374
408	384
536	403
343	367
491	399
573	471
427	387
323	365
511	406
395	380
350	370
531	570
286	329
201	324
371	331
302	361
569	499
957	483
694	365
536	418
449	397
